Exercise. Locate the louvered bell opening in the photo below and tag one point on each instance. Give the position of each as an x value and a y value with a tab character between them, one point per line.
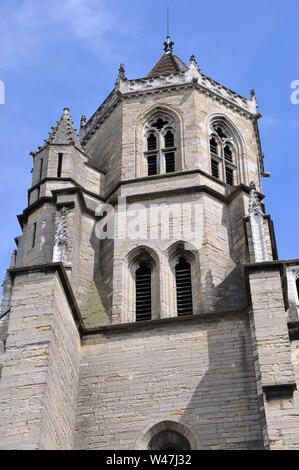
229	176
184	288
213	146
228	153
152	165
152	142
143	293
169	140
169	162
215	169
297	285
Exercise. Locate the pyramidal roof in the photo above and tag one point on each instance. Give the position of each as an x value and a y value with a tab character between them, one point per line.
168	63
64	133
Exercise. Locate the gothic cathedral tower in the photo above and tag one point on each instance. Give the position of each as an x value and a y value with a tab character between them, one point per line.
145	306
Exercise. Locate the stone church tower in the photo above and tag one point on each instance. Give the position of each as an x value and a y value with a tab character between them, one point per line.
145	306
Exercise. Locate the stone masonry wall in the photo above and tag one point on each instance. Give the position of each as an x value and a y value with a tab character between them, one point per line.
273	353
41	252
38	387
3	337
198	373
219	249
105	148
117	146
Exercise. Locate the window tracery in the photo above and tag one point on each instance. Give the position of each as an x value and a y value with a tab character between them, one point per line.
160	153
223	153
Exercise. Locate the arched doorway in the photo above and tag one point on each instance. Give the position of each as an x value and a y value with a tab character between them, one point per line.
167	435
169	440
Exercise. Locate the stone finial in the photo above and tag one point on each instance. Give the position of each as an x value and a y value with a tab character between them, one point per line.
168	46
253	97
193	61
253	102
255	207
66	111
121	74
61	239
83	121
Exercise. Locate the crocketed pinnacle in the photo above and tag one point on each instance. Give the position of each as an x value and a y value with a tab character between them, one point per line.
63	133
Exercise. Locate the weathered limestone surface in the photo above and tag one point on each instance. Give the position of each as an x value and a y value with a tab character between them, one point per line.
105	148
3	337
224	378
218	246
274	364
38	388
36	250
197	373
191	109
271	327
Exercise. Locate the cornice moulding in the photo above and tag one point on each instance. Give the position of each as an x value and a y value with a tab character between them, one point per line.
192	77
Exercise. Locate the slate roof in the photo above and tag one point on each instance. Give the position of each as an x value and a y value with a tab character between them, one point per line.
167	64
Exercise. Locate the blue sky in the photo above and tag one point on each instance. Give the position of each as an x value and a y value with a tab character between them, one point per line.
56	53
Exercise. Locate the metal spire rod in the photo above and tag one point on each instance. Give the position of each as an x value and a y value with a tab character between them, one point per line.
168	36
168	45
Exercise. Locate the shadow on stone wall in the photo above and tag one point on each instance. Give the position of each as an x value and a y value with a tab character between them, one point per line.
95	305
230	294
4	320
223	412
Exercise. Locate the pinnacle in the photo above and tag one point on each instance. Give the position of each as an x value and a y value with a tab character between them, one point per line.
64	132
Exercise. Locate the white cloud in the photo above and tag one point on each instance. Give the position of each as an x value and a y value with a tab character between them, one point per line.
28	28
88	19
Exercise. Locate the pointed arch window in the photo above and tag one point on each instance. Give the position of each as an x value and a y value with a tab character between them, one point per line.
223	154
151	142
213	146
228	153
169	139
161	147
143	292
152	155
183	287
